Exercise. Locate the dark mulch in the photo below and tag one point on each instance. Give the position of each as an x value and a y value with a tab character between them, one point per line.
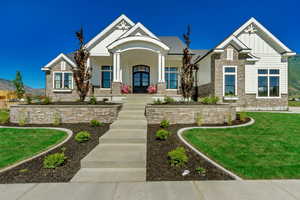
33	171
76	103
158	168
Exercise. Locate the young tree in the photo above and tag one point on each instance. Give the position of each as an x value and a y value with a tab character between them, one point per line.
18	82
82	73
187	78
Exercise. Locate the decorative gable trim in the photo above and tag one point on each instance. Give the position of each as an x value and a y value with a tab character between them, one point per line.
250	28
120	23
232	39
59	57
139	26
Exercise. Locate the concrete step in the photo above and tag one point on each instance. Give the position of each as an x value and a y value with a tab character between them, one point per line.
129	124
132	112
116	156
126	136
133	107
94	175
131	117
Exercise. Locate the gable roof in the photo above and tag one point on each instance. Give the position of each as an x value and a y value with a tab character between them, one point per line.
233	39
59	57
136	27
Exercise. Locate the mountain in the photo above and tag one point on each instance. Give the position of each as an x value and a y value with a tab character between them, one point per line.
294	76
8	85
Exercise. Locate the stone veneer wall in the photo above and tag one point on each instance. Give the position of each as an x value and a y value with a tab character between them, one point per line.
187	114
45	114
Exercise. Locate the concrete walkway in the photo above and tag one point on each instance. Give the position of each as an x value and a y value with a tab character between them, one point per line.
205	190
121	153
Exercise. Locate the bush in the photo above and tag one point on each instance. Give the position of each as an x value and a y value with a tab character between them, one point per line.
46	100
200	170
209	100
56	119
178	157
199	119
164	123
4	116
28	99
157	102
229	119
162	134
93	100
169	100
96	123
54	160
243	116
82	136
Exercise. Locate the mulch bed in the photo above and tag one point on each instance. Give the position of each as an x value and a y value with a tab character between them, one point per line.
33	171
158	168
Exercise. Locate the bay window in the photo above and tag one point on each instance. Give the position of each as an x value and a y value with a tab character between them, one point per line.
268	82
106	76
63	80
230	81
171	77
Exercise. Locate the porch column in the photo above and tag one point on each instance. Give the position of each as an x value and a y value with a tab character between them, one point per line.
116	84
161	85
159	67
163	68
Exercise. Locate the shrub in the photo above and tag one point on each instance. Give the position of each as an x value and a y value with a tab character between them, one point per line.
28	99
169	100
178	157
105	99
4	116
56	119
96	123
200	170
243	116
82	136
164	123
22	118
157	102
46	100
209	100
55	160
162	134
229	119
93	100
152	89
199	119
126	89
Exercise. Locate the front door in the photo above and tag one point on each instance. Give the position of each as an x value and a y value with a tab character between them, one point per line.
141	78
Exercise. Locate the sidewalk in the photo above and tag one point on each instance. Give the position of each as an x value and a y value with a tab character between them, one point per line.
188	190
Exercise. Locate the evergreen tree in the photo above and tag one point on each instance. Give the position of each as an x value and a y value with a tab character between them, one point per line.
18	82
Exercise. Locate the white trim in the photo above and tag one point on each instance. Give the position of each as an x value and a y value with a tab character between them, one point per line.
135	27
229	54
108	28
228	40
138	38
60	56
230	73
260	26
268	76
63	82
62	90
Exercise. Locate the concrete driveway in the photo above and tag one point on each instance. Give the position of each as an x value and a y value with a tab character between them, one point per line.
185	190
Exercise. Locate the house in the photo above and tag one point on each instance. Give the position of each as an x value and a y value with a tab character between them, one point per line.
248	69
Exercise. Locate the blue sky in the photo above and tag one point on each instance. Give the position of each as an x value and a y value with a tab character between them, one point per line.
34	32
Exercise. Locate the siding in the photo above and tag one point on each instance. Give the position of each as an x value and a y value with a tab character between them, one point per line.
204	73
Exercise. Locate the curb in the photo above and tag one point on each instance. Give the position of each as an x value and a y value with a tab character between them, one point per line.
180	131
69	132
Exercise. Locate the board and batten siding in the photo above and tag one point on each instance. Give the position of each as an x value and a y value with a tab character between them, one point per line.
269	58
204	72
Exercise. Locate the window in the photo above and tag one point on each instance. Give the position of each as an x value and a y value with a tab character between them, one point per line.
171	76
230	81
229	54
268	83
106	76
63	80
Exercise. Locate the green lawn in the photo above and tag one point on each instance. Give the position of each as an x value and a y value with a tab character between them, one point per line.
269	149
19	144
294	103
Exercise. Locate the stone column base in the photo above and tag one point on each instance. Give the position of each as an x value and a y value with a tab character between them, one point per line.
116	88
161	88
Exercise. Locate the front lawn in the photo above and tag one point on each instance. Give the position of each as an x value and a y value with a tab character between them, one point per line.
269	149
19	144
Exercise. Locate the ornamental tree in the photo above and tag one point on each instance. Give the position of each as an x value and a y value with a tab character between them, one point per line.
19	86
187	78
82	73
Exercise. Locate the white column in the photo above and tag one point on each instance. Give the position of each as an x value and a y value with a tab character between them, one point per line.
116	64
159	67
163	68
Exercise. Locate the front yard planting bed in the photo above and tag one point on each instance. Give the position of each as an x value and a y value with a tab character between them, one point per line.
33	171
158	167
268	149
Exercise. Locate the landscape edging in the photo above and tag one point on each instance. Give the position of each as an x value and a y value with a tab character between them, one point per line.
180	131
69	132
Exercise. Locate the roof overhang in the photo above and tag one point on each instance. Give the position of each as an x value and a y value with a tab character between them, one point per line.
59	57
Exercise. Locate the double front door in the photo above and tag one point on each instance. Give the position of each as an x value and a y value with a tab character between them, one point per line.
141	78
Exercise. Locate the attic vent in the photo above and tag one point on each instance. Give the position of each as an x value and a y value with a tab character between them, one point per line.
63	66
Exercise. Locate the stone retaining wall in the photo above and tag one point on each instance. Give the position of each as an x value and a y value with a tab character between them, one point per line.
187	114
47	114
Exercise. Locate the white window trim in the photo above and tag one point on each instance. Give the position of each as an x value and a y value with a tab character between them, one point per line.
268	75
230	73
178	73
111	78
63	82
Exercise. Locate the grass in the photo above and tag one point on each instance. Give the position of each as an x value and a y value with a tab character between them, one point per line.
294	103
269	149
4	116
20	144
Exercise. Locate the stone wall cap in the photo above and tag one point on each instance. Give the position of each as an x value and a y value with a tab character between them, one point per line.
187	105
65	106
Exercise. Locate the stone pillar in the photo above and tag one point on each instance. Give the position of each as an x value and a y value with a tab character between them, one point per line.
116	88
161	88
